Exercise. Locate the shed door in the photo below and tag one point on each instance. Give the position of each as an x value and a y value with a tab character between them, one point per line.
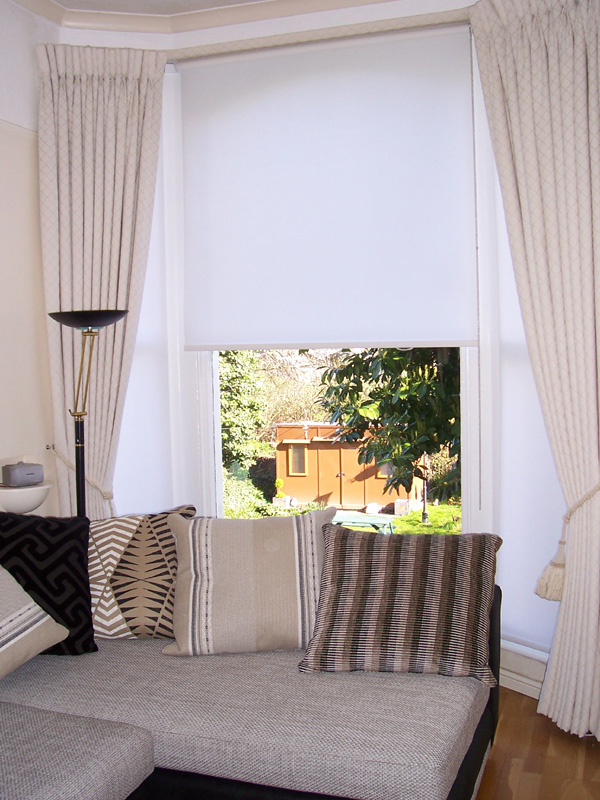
353	478
330	488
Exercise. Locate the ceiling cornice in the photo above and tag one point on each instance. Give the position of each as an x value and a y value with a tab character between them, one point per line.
183	22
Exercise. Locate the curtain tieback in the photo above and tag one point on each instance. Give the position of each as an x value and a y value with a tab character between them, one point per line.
105	493
551	582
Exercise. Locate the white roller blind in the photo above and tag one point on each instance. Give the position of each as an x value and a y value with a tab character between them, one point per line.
329	194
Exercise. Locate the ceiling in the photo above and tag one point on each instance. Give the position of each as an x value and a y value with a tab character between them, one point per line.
172	16
162	7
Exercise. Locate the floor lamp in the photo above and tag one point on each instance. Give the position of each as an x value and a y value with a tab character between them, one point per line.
89	323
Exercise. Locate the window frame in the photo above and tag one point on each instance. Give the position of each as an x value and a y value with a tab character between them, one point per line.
290	460
193	424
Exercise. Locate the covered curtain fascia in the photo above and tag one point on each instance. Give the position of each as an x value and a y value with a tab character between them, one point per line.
99	130
539	63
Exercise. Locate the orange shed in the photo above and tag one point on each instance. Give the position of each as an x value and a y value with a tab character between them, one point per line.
315	467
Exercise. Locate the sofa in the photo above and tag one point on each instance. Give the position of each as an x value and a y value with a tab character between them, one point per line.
247	659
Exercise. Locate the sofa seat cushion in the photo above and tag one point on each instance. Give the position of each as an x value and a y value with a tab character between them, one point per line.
51	756
255	717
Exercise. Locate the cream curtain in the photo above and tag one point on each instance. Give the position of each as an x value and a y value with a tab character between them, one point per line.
99	127
541	78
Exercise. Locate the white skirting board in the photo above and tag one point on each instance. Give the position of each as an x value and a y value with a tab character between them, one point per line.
522	668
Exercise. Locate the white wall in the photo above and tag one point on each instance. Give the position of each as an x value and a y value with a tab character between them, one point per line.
530	500
25	410
144	465
169	449
20	31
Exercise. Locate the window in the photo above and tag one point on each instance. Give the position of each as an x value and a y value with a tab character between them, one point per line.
297	464
331	300
384	470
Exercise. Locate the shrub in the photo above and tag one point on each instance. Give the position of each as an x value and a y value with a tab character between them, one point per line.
262	475
445	476
242	500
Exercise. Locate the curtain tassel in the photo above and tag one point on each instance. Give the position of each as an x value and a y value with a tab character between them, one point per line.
552	580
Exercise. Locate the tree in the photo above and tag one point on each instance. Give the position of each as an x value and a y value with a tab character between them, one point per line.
242	407
291	386
399	404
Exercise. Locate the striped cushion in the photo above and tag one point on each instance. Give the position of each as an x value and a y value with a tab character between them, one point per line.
133	566
25	629
404	603
247	585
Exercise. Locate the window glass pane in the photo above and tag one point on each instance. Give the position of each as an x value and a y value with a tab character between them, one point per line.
281	447
298	459
384	470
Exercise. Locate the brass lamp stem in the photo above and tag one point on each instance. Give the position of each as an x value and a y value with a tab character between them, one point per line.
90	333
88	322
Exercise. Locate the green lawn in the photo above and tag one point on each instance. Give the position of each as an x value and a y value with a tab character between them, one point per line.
443	519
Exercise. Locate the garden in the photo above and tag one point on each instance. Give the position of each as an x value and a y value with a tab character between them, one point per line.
399	407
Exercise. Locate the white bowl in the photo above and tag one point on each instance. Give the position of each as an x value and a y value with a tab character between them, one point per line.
21	499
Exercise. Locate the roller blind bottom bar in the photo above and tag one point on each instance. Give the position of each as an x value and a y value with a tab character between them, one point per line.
326	345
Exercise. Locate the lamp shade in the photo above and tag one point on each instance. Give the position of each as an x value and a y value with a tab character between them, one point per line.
88	319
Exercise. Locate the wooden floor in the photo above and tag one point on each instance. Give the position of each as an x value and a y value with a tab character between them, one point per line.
532	759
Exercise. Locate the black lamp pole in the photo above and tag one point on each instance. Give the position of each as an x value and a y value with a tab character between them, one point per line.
89	322
79	464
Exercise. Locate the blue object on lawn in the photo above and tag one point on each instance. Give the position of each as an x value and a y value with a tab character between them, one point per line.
383	523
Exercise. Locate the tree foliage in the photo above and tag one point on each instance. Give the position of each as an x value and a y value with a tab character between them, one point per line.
444	482
242	407
290	386
399	404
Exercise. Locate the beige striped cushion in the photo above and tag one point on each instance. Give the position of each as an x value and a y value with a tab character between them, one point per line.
132	563
247	585
25	629
404	603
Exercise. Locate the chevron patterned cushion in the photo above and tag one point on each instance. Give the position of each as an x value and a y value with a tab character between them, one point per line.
49	558
25	628
246	585
404	603
133	566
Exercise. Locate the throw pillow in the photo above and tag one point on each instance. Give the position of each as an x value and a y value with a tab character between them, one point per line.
25	629
49	558
247	585
404	603
133	566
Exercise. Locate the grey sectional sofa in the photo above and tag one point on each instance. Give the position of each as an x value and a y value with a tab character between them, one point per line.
94	727
46	755
172	657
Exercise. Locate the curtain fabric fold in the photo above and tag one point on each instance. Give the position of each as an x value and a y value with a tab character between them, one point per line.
99	129
539	63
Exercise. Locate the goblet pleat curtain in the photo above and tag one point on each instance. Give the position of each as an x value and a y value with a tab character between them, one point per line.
99	129
539	64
